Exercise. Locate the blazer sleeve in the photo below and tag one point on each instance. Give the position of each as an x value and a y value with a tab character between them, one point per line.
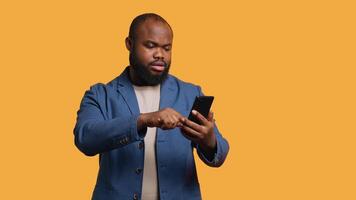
222	148
94	134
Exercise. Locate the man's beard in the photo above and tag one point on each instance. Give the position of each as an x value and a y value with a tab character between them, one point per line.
145	77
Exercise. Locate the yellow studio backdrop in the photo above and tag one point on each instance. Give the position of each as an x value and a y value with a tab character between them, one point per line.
282	72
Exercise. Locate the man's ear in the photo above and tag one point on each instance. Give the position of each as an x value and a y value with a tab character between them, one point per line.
128	43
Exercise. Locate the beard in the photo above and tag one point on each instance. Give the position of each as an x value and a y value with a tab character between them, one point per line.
143	74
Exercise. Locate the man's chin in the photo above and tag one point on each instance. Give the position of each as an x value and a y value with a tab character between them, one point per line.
149	75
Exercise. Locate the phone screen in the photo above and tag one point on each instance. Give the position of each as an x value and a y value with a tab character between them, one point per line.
202	104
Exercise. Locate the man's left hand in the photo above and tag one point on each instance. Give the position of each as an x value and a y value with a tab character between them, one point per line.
203	133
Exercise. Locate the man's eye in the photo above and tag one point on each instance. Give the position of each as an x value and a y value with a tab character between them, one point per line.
149	45
168	48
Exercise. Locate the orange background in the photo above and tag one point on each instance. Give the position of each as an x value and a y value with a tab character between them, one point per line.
282	72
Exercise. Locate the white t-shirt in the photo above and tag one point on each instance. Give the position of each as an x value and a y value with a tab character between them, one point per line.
148	100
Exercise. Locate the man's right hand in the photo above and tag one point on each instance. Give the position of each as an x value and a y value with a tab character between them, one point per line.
166	118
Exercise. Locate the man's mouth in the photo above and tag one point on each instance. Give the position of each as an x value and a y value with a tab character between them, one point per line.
158	66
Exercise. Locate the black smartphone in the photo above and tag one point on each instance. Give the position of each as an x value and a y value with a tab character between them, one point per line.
202	104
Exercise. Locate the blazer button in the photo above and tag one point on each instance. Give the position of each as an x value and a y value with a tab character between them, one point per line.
140	145
135	196
138	171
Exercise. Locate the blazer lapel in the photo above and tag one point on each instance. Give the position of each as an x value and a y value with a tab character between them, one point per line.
167	99
168	96
124	86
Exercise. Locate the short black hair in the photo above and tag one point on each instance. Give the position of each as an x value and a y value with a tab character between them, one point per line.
142	18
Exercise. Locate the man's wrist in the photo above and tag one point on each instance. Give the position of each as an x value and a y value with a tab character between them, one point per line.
208	152
208	149
141	121
209	146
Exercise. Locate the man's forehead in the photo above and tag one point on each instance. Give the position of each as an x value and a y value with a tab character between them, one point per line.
154	30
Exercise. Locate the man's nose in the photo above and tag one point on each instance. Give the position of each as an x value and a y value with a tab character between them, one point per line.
158	54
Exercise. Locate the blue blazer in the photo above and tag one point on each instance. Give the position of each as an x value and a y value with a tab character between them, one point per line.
107	125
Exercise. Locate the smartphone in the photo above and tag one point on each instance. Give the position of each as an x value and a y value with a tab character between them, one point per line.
202	104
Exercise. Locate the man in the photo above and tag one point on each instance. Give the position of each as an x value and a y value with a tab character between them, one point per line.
138	124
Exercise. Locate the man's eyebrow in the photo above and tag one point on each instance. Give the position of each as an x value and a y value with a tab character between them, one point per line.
156	44
150	41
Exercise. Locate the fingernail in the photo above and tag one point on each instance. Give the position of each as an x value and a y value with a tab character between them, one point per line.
194	112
